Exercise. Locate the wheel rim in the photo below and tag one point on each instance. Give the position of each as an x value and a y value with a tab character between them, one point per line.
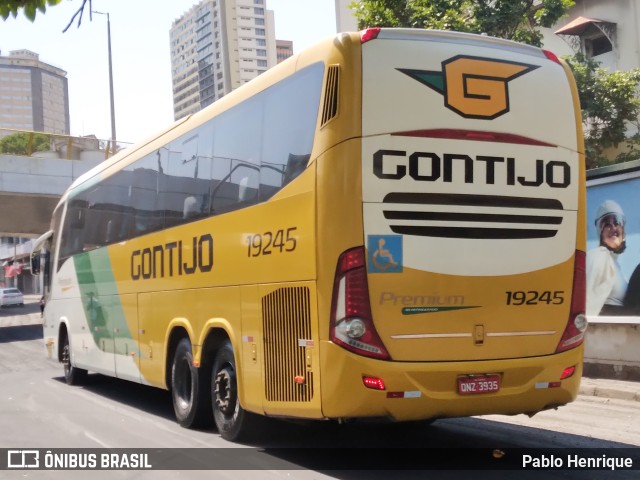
66	361
225	392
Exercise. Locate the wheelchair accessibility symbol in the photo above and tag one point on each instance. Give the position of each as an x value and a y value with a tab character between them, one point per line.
385	253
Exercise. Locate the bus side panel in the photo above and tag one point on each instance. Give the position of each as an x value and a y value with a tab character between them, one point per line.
250	351
187	311
76	302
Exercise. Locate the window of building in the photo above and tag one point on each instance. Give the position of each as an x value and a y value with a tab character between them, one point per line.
597	45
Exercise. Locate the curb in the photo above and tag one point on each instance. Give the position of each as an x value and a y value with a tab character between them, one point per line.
606	388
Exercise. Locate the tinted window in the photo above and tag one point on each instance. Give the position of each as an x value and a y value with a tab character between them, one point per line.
241	157
236	157
291	108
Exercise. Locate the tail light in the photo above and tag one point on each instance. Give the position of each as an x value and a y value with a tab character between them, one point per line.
369	34
551	56
577	325
351	323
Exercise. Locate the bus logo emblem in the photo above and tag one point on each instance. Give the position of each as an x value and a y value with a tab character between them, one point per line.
473	87
385	253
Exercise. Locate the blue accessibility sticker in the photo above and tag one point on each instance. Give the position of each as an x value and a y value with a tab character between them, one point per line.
385	253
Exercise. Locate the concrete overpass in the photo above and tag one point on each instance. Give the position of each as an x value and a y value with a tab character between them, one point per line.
30	188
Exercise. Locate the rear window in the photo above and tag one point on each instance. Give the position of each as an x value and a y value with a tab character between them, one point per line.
10	290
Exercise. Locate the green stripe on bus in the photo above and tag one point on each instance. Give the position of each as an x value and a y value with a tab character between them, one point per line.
100	299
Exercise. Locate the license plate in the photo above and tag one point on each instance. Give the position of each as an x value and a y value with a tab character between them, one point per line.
478	384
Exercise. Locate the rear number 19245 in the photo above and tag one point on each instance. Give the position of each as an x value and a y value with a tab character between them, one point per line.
534	297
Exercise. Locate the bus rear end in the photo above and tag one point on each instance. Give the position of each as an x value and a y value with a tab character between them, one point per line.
466	295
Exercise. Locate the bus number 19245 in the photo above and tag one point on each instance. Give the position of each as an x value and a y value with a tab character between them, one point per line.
271	242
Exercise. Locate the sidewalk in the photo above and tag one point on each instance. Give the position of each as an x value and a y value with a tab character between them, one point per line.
606	388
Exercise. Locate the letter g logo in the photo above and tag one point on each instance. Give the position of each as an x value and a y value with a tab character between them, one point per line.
473	87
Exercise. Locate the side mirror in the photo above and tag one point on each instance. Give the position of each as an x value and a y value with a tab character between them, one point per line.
42	242
35	263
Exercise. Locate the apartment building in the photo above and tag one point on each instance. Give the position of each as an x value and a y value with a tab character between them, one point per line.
34	94
284	49
217	46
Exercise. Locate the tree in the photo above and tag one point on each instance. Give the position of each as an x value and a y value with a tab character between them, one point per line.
609	103
31	7
518	20
24	143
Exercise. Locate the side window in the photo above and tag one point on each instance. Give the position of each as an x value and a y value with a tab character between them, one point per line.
49	255
109	215
187	182
236	157
145	184
290	115
72	239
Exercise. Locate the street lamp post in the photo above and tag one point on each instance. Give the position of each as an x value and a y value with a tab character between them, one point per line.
113	114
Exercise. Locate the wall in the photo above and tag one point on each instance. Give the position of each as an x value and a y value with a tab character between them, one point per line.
612	350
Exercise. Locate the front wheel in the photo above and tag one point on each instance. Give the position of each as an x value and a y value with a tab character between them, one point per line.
72	375
234	423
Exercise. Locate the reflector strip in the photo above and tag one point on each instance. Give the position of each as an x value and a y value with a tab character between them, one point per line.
543	385
410	394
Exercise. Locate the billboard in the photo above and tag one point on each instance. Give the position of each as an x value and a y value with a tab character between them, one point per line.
613	240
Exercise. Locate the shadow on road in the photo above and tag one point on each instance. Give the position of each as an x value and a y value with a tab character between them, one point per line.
18	333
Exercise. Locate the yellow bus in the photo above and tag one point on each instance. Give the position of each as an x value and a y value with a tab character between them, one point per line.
388	225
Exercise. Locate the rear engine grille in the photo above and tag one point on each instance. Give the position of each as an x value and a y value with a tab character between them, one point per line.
286	321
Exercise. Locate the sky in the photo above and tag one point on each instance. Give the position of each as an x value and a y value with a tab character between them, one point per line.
140	56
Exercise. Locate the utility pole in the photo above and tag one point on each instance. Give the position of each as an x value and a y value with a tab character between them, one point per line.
113	114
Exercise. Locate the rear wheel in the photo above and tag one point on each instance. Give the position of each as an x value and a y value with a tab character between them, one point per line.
189	388
234	423
72	375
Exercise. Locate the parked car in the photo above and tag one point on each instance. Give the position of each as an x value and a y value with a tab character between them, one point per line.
11	296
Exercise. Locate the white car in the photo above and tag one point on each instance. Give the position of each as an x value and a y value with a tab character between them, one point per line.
11	296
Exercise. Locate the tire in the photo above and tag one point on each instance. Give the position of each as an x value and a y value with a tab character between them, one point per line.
72	375
190	388
233	422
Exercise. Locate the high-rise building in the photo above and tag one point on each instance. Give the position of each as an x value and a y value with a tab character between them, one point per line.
217	46
284	49
35	95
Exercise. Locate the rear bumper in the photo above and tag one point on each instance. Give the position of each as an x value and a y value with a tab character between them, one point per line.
429	390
